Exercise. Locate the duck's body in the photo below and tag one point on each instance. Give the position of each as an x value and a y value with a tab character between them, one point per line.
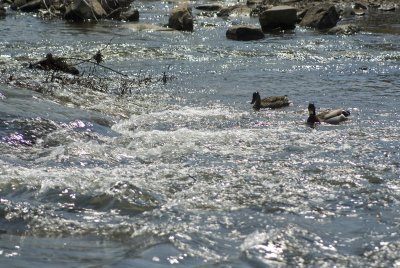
271	102
329	116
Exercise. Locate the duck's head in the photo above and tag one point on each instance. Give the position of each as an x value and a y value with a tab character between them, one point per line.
346	113
311	109
256	96
312	117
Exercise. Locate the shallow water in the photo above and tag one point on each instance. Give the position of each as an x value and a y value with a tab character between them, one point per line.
185	173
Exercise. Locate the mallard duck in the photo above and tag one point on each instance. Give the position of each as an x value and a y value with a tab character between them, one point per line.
329	116
271	102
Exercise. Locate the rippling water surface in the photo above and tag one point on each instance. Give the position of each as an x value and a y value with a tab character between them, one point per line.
185	173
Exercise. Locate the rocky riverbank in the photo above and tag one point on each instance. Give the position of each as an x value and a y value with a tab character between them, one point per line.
274	15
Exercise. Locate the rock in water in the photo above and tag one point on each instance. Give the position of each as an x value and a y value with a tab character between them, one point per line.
181	19
81	10
278	18
320	17
244	33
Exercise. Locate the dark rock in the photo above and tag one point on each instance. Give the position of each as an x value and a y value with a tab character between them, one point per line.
346	29
112	5
301	14
320	17
2	10
244	33
130	15
254	2
81	10
17	3
256	10
279	17
359	6
114	14
181	19
286	2
210	7
31	6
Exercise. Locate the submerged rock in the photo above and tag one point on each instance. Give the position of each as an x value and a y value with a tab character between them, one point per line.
244	33
320	17
137	27
238	10
278	18
346	29
26	132
209	7
181	19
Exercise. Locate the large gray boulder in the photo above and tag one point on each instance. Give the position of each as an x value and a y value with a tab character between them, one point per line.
244	33
320	17
81	10
278	18
181	19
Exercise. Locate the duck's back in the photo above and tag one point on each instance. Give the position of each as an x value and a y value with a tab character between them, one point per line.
336	119
333	116
275	102
327	114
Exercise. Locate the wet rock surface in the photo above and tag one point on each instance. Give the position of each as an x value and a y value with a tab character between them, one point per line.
244	33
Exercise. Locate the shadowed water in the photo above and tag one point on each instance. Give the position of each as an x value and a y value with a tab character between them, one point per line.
185	173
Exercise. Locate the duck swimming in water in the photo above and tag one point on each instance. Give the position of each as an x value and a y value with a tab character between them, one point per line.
271	102
329	116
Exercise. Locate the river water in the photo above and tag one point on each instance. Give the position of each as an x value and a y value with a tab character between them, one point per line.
184	173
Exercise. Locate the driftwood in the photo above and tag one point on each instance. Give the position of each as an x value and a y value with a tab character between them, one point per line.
59	71
55	64
59	64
